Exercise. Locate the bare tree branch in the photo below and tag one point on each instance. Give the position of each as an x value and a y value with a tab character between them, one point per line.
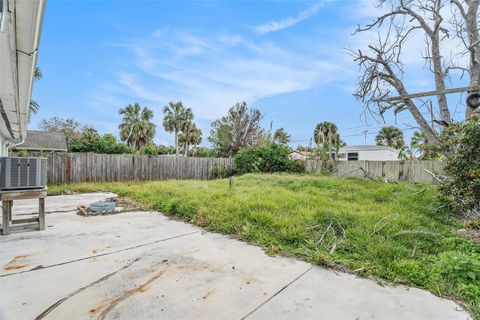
382	71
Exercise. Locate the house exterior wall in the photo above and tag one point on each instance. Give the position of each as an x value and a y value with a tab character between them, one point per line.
378	155
373	155
298	156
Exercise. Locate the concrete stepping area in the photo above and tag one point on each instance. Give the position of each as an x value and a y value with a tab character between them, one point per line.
142	265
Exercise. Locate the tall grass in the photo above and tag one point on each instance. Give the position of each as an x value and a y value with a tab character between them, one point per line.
394	232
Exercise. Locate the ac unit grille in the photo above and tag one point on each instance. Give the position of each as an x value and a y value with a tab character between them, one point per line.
23	173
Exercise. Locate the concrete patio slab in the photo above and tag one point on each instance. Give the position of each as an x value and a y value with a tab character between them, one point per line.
142	265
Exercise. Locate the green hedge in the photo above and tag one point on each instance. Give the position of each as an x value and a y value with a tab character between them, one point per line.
271	158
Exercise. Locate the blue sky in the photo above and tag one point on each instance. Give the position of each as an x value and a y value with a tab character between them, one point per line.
287	59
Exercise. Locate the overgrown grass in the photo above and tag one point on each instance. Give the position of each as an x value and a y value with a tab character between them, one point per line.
391	231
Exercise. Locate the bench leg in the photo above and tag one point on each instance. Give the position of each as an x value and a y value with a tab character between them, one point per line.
10	208
5	216
41	213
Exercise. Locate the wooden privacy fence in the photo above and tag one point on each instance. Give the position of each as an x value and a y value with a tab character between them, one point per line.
411	170
91	167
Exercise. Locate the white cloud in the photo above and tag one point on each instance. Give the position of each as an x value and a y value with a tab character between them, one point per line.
273	26
231	40
227	70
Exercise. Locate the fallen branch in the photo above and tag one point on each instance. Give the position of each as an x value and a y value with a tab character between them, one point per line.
325	232
368	176
383	222
82	210
421	191
433	175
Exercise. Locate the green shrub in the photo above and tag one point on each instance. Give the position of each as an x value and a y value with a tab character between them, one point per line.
91	141
22	153
149	149
462	142
219	172
271	158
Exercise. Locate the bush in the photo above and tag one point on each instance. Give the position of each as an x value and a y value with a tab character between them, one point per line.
219	172
150	150
161	149
271	158
22	153
91	141
202	152
462	142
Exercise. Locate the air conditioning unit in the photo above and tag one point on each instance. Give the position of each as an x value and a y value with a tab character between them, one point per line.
23	173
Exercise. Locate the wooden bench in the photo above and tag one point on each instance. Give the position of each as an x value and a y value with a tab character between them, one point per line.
8	196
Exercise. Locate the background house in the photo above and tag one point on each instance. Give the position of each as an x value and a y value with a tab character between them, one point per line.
301	155
20	25
368	152
42	142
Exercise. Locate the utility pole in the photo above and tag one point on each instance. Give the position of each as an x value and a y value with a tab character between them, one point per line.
365	133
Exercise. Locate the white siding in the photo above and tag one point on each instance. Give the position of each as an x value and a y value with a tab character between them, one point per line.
378	155
372	155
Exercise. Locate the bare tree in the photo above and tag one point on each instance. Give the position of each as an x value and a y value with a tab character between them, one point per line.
240	128
382	70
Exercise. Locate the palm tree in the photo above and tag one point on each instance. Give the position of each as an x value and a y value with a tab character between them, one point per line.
418	141
175	120
281	136
196	137
187	129
390	136
407	153
34	106
326	136
136	128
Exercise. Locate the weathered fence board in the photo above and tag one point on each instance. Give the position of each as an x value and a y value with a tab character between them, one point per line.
412	170
91	167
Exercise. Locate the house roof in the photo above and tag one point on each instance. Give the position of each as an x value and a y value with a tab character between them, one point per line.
44	140
303	153
367	148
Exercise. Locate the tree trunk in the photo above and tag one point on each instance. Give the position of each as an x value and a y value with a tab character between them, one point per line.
474	42
329	146
177	151
186	148
439	79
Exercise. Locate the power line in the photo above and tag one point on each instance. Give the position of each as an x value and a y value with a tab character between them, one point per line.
363	133
357	134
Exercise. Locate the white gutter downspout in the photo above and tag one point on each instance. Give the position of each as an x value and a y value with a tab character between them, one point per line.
34	55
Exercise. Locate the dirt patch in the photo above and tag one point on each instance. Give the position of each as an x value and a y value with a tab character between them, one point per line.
473	234
471	229
122	204
126	203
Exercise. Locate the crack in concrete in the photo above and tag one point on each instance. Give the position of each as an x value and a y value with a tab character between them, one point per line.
99	255
127	294
59	302
276	293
